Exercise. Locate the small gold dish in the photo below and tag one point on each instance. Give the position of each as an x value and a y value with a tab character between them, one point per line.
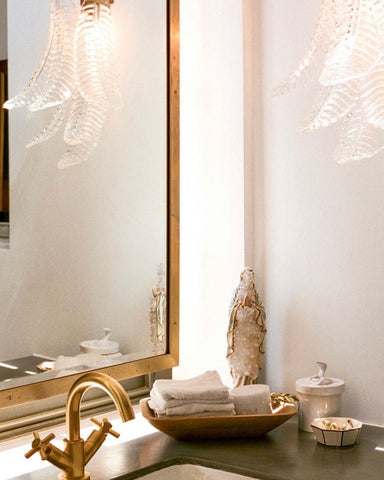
336	431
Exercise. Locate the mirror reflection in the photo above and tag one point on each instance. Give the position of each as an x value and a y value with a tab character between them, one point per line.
83	282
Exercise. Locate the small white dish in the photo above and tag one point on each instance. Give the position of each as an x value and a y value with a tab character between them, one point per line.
331	431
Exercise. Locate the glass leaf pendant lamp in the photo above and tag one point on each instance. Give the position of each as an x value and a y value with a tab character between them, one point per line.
346	55
76	78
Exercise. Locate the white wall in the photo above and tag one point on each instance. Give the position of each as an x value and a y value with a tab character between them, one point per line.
324	232
212	198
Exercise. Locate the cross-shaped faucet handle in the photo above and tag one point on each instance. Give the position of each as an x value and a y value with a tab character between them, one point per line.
106	426
39	445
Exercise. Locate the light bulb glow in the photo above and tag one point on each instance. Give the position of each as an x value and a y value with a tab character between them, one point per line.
95	57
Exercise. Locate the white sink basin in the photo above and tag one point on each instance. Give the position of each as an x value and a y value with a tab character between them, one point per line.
192	472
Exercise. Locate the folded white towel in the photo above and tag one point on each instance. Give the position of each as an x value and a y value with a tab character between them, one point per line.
202	395
207	386
160	404
201	414
189	409
252	399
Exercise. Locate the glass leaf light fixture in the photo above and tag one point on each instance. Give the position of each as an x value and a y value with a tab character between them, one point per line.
346	56
76	78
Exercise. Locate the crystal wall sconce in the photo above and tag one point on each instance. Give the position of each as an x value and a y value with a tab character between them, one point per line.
346	55
76	78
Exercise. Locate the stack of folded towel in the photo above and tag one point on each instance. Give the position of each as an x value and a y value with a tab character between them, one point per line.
204	395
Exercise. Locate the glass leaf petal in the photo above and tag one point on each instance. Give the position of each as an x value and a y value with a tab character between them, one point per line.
358	139
356	46
52	127
95	57
372	95
38	80
85	121
58	70
333	103
86	137
308	67
378	15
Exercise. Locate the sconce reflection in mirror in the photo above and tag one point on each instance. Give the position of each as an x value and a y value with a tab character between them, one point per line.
77	77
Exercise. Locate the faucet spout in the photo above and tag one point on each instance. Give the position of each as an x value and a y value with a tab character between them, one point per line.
105	383
77	453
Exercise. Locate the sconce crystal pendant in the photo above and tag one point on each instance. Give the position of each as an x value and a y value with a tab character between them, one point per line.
346	54
77	77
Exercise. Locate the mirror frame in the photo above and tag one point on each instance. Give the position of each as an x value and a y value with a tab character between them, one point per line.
49	388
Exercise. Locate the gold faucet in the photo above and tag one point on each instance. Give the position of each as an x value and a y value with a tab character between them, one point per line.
77	452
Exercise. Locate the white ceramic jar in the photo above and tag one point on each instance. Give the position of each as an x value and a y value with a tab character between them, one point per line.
319	396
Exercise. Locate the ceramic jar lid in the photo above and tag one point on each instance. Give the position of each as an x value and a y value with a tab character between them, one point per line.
320	384
102	347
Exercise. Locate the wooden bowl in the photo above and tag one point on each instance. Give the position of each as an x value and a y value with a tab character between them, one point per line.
231	426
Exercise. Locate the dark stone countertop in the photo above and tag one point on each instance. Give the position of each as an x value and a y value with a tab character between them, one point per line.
283	454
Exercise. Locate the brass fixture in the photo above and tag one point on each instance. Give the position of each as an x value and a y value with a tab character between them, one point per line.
77	452
96	2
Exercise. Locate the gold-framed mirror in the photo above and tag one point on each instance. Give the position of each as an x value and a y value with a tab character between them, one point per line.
39	390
